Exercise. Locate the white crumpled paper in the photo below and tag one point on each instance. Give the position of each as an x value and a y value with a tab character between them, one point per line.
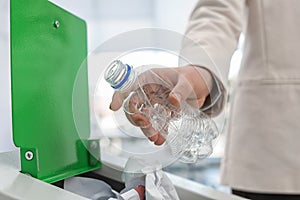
139	171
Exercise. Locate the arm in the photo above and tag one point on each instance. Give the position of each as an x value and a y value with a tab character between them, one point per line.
213	31
211	39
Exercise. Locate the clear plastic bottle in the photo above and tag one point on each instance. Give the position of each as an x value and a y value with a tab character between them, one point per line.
188	131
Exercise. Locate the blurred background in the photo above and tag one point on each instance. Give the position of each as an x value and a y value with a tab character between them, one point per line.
106	19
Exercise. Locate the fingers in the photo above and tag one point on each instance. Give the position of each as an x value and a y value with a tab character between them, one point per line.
158	139
143	122
116	102
153	135
138	119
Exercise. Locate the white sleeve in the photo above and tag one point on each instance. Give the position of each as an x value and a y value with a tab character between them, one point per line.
211	38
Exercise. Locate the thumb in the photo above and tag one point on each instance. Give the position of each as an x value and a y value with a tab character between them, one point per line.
180	92
116	102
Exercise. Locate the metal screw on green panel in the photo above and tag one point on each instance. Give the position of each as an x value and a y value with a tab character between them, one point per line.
56	24
29	155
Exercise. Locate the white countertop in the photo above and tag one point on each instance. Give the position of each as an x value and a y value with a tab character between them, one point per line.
15	185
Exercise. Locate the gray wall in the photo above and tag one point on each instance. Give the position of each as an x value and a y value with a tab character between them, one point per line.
6	143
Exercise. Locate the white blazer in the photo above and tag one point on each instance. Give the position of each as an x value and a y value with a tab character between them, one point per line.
263	143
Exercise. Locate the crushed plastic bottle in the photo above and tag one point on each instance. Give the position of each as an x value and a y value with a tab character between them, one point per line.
187	130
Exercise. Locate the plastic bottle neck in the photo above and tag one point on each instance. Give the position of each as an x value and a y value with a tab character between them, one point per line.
119	75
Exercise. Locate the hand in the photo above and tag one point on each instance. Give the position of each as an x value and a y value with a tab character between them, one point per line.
189	83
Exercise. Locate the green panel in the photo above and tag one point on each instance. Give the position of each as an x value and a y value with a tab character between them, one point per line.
44	63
